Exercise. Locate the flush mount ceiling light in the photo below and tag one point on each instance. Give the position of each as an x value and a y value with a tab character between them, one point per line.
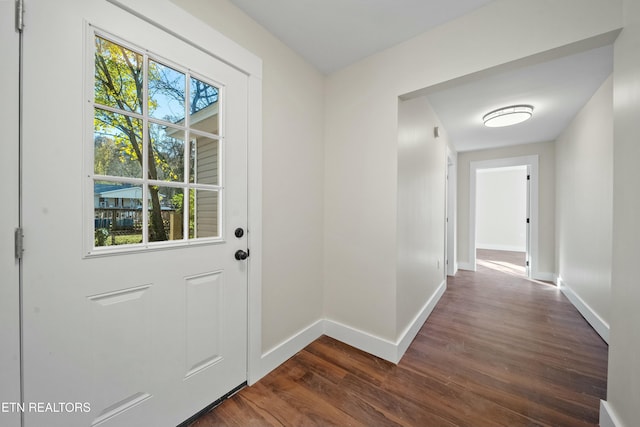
508	116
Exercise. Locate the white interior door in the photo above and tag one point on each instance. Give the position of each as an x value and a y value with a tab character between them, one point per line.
9	267
135	308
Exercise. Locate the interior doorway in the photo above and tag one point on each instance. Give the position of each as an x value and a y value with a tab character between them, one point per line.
501	213
529	219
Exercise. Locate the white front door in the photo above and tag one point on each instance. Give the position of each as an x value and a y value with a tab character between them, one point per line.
9	267
135	180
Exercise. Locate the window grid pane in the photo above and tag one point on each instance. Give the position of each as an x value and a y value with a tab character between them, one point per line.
117	213
118	144
167	92
140	139
118	76
167	148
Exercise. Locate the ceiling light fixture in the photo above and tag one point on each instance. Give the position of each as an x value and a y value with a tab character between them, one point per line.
508	116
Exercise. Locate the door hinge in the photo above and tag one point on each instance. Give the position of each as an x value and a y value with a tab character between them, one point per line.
19	242
528	177
527	263
527	220
19	15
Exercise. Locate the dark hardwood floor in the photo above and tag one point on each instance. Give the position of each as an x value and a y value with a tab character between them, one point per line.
498	350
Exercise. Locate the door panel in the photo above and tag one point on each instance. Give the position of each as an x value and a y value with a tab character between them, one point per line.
203	299
9	268
144	337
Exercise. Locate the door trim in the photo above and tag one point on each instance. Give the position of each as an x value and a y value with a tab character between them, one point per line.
167	16
452	214
532	243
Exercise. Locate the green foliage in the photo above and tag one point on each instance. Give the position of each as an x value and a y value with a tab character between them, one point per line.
118	76
112	158
128	239
178	202
101	236
119	239
118	84
168	152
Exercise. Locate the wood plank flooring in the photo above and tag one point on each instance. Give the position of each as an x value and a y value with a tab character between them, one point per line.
498	350
505	261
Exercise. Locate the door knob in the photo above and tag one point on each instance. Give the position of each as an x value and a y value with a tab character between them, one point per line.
241	255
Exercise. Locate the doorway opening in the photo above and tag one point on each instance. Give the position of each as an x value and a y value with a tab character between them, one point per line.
526	167
501	215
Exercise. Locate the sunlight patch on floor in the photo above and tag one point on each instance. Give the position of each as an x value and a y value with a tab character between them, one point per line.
504	267
510	269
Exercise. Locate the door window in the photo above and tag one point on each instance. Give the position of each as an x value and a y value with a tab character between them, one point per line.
156	148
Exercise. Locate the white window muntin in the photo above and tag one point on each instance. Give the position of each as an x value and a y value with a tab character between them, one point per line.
145	182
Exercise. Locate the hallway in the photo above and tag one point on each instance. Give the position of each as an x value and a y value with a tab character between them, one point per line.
498	350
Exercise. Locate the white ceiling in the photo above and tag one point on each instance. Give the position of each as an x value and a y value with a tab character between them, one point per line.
557	90
332	34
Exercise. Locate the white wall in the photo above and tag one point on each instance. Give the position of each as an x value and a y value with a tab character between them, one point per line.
584	200
361	132
293	172
623	387
422	162
544	258
330	237
501	208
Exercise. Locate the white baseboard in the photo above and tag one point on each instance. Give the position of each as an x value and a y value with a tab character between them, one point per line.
380	347
547	277
596	322
287	349
493	247
466	266
414	327
383	348
608	417
361	340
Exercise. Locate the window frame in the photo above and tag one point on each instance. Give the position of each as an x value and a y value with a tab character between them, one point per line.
190	135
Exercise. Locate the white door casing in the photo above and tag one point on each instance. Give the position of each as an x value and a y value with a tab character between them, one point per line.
532	206
528	226
9	219
143	338
452	258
